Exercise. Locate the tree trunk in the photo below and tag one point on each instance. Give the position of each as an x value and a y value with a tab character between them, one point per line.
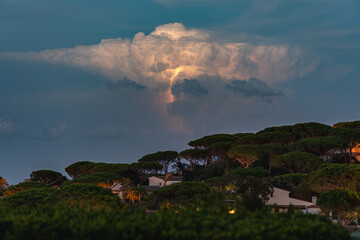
350	154
167	176
339	219
226	166
269	167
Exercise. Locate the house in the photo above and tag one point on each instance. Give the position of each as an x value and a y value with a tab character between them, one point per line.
118	189
159	181
281	199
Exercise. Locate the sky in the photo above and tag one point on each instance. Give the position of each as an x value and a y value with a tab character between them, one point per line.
113	80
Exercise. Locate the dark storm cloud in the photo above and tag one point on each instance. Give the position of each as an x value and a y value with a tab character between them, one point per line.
253	88
189	87
124	84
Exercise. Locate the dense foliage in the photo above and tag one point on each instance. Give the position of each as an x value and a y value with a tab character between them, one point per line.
346	203
289	181
252	185
83	168
23	186
302	130
179	194
59	223
3	183
298	162
318	145
237	169
28	198
335	176
102	179
84	194
71	195
48	177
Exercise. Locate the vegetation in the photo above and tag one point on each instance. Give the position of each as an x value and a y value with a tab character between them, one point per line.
346	203
179	194
246	155
165	159
83	168
28	198
3	185
318	145
298	162
84	194
223	173
208	222
289	181
335	176
101	179
23	186
252	185
302	130
144	168
48	177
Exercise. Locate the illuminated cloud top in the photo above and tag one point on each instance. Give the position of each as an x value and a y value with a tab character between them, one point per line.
173	52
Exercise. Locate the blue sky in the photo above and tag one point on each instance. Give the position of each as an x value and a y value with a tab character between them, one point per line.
112	80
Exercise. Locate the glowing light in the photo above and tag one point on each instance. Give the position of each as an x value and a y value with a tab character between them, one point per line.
176	71
232	211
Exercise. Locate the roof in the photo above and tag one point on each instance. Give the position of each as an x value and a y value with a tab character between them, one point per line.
172	178
281	197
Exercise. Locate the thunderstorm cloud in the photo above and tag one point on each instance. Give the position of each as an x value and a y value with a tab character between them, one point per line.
189	87
173	52
253	87
186	72
124	84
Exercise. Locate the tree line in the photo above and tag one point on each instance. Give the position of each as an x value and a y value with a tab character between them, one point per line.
307	159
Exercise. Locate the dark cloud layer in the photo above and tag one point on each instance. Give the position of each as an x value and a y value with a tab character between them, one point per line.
253	88
124	84
189	87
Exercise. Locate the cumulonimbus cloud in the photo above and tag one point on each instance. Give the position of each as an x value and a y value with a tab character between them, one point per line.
173	52
178	64
253	88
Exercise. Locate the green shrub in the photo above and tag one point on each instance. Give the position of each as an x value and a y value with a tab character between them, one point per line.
30	198
62	223
84	194
178	194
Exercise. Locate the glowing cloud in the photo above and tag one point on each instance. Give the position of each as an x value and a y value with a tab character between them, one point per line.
172	52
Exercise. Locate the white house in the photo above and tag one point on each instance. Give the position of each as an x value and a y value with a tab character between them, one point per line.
159	181
281	198
117	188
